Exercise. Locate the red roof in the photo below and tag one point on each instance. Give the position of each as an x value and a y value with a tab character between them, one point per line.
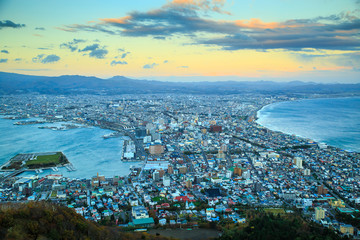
183	199
165	205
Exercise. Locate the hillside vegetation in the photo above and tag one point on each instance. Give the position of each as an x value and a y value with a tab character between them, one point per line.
42	220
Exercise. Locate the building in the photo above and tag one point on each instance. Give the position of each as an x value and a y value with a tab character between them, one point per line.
237	171
307	172
213	192
143	222
183	170
96	181
220	154
140	132
170	170
156	149
161	173
319	213
322	190
298	162
166	181
139	212
337	203
215	128
188	184
156	176
347	229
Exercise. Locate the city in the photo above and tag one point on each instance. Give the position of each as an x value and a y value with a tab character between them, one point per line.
197	159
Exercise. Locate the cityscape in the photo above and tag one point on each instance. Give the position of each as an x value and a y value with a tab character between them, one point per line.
180	119
196	159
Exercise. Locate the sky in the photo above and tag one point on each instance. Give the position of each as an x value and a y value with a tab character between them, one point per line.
183	40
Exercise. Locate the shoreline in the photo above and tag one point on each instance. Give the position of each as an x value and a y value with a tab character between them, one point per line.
257	118
106	169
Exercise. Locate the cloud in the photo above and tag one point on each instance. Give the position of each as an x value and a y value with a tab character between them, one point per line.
42	58
3	60
5	51
199	5
50	59
176	17
293	35
95	51
10	24
183	67
185	18
166	61
90	48
72	45
113	63
149	66
40	28
18	59
160	38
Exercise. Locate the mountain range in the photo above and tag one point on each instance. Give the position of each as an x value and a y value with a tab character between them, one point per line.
12	83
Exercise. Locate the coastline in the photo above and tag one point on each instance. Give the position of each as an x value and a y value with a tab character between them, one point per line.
258	120
79	152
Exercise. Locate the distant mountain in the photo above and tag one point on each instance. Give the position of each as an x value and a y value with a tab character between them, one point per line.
12	83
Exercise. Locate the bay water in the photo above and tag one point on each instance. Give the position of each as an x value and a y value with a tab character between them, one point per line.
334	121
84	147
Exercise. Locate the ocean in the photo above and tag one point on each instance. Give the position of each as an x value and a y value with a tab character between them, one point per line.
334	121
84	147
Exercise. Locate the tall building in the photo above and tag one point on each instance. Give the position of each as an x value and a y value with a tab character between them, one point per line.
166	181
156	176
188	183
170	170
307	172
319	213
161	173
298	162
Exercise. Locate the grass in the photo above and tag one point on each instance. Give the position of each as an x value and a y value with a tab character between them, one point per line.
45	160
275	211
157	199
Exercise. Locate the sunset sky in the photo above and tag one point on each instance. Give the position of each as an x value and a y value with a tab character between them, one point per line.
183	40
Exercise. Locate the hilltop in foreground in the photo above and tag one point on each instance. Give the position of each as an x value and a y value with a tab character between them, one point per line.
41	220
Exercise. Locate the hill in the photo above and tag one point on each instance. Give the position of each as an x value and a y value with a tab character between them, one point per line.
12	83
42	220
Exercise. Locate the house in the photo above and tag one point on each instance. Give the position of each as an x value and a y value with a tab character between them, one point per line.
139	212
143	222
162	221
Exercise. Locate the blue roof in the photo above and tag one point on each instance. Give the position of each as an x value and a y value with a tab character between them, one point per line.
143	221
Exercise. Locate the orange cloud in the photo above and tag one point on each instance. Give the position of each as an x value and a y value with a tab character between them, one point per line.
257	23
123	20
